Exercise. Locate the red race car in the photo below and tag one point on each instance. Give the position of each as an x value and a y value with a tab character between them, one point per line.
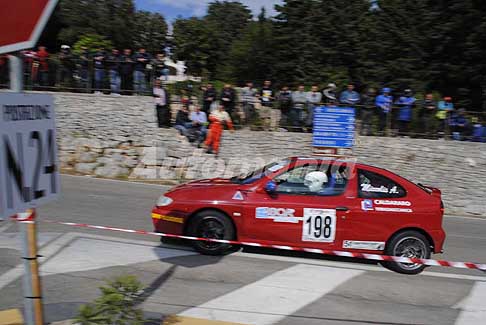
321	203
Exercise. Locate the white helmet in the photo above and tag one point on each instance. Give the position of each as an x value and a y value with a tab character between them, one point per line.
315	180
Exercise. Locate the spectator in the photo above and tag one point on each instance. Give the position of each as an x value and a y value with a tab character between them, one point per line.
183	122
406	104
159	65
4	71
126	70
199	121
248	98
444	109
284	99
114	66
209	96
42	59
141	59
84	60
367	111
31	66
162	105
67	66
218	119
314	98
349	96
330	96
299	103
267	97
428	109
384	103
228	98
460	126
99	66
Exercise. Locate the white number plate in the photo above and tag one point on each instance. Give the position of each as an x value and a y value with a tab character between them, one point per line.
319	225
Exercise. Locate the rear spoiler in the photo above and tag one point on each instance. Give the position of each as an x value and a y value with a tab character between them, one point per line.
431	190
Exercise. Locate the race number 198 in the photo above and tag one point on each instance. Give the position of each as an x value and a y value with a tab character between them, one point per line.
319	225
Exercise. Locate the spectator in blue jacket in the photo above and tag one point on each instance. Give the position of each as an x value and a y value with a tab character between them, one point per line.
349	96
384	103
460	125
406	104
141	59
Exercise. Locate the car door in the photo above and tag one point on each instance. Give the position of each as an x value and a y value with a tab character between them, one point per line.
380	205
295	215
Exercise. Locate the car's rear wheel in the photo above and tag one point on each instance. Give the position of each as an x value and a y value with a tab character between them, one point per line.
410	244
211	224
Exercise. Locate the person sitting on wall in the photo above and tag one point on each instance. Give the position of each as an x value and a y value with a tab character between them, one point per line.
183	122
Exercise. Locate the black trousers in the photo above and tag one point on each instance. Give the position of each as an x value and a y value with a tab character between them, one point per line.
163	115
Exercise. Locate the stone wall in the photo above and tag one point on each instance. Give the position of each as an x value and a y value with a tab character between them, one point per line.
117	137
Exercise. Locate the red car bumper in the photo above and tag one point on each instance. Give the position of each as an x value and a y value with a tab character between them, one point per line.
168	222
439	237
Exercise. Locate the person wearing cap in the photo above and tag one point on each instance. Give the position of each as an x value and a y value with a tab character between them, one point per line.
444	109
406	104
384	103
330	96
459	125
67	66
349	96
367	111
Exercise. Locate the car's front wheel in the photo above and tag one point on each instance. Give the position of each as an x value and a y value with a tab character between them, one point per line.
211	224
410	244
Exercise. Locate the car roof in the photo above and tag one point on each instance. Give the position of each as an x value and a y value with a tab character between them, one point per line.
340	160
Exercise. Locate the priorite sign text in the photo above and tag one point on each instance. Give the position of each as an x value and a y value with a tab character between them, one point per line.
29	173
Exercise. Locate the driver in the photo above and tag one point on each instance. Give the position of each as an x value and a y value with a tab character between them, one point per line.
315	181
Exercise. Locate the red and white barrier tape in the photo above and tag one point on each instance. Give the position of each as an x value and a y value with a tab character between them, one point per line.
374	257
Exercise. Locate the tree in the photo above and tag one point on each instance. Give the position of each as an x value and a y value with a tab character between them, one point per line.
250	57
116	304
191	44
92	42
150	31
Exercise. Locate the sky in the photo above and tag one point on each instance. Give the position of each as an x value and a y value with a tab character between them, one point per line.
171	9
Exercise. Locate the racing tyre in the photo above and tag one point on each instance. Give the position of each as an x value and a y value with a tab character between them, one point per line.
407	244
211	224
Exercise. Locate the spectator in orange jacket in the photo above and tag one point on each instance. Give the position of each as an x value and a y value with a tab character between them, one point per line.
218	119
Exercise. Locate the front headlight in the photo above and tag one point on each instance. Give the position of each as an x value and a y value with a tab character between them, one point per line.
163	201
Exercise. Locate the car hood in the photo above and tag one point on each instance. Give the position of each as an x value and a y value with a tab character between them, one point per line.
205	183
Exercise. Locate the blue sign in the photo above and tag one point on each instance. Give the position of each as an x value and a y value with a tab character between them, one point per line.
333	127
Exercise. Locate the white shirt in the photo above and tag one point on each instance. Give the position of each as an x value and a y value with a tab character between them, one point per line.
160	97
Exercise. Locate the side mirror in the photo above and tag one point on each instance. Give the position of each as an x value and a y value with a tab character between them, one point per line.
271	187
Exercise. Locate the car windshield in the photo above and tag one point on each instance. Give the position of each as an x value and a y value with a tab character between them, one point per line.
259	173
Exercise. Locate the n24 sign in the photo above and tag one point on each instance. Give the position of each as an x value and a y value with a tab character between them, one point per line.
29	174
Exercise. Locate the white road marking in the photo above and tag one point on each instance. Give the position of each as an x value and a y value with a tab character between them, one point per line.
5	226
354	266
85	254
473	306
58	245
281	293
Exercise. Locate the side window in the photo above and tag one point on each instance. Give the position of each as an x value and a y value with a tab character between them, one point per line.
372	185
322	180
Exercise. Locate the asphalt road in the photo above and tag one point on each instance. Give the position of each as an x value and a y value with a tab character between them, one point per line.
250	286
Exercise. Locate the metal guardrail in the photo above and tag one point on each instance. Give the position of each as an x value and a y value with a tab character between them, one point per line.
80	77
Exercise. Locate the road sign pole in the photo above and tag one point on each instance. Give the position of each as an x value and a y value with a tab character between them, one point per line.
32	283
16	73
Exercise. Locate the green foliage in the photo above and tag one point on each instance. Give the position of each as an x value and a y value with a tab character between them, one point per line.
92	42
116	20
116	304
204	43
150	30
422	44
